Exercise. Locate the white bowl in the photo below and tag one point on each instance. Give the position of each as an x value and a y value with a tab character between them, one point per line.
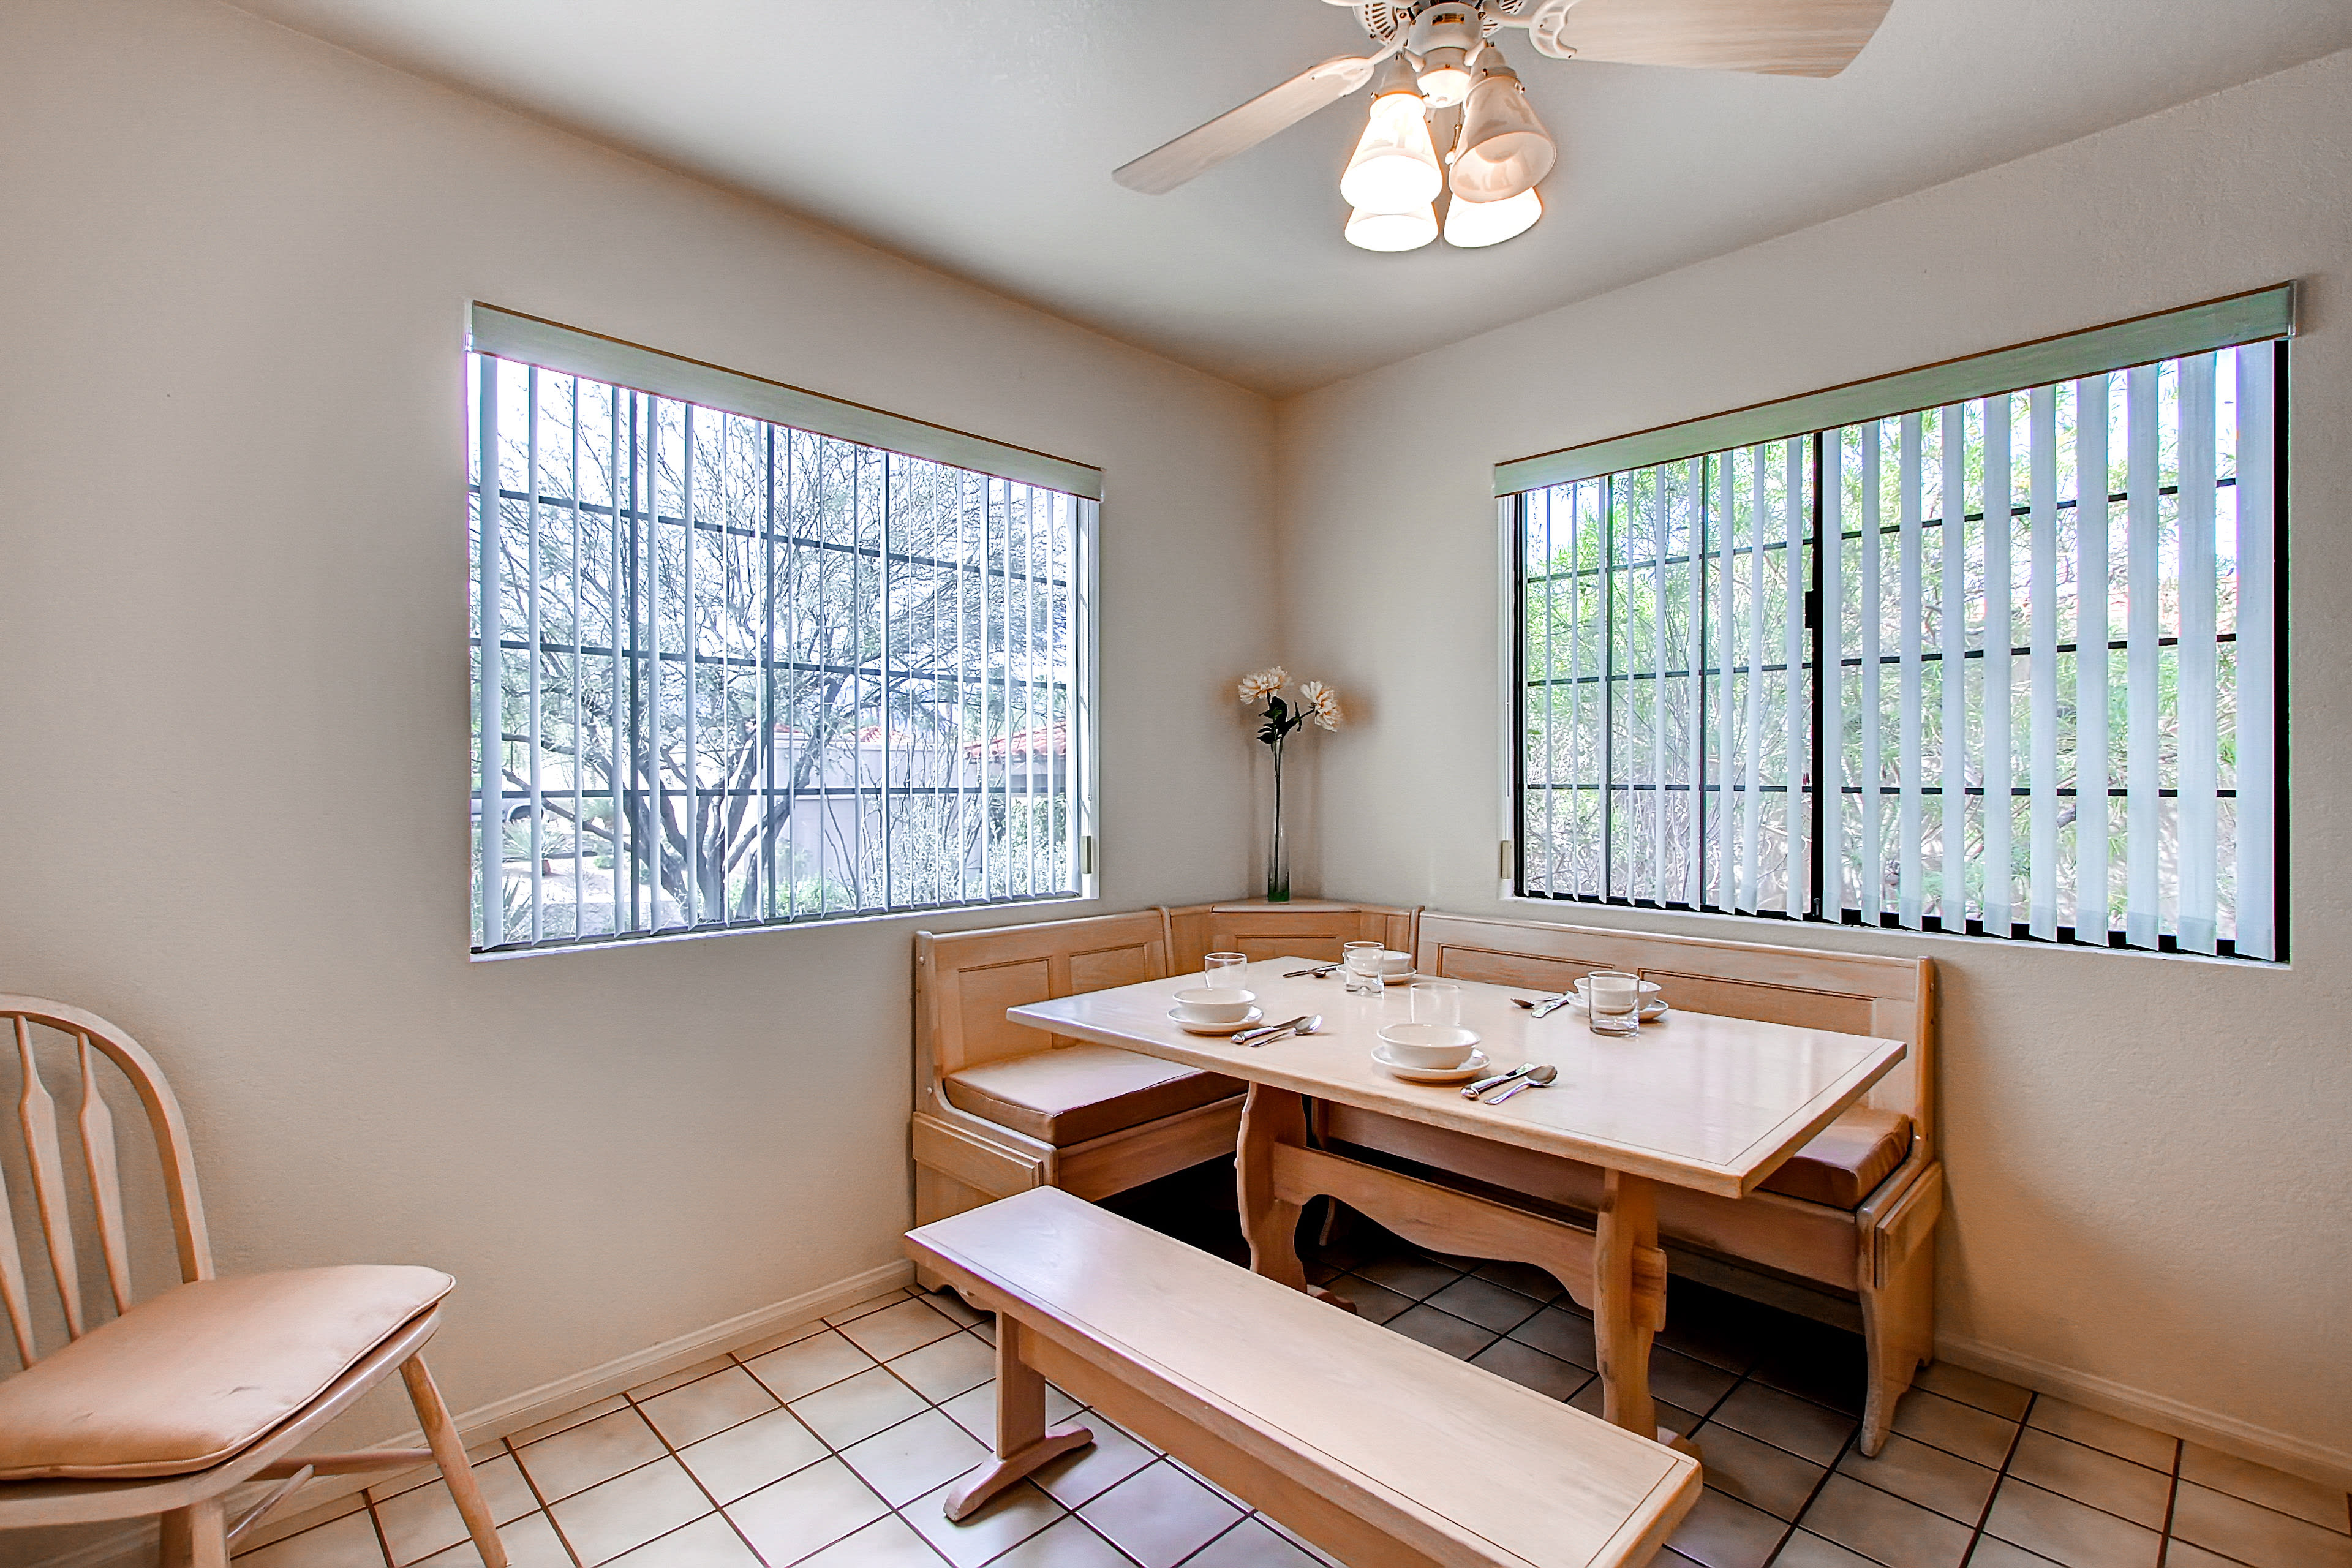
1431	1046
1394	962
1649	989
1202	1005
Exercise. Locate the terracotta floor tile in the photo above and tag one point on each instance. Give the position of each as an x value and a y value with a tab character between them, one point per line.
628	1511
856	1408
1568	1335
568	1419
1952	1486
1956	1428
1525	1278
1673	1417
1884	1527
693	1411
1070	1544
709	1542
954	1306
894	1331
1721	1531
779	1339
2254	1534
530	1542
1251	1543
1077	1477
1807	1551
871	1304
945	1368
1374	1303
1786	1421
904	1461
278	1526
1010	1517
803	1367
653	1387
1485	1303
1755	1473
346	1542
1530	1368
1160	1516
1406	1275
1443	1330
1686	1381
2068	1532
2005	1400
806	1510
2098	1430
1992	1551
741	1459
976	1412
887	1543
2093	1476
2306	1499
580	1457
418	1523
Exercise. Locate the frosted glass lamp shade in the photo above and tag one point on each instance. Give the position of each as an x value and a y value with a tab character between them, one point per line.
1407	230
1504	149
1445	79
1469	225
1395	167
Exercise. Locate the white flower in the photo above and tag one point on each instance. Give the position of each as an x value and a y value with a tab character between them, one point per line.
1323	703
1264	684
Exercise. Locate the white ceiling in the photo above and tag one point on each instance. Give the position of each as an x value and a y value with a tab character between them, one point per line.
979	137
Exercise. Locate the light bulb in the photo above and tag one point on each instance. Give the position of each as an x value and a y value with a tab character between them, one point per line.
1393	231
1395	167
1469	225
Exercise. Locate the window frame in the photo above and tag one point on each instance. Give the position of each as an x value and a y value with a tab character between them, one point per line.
2255	316
550	348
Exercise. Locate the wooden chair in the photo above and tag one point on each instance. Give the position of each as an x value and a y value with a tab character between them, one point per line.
1851	1213
211	1385
1000	1107
1303	928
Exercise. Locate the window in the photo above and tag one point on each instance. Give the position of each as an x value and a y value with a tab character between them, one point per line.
745	656
2046	585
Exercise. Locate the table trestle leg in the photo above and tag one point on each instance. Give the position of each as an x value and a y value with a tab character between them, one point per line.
1022	1442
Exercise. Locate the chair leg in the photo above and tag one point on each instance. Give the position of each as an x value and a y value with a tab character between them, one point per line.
195	1536
449	1452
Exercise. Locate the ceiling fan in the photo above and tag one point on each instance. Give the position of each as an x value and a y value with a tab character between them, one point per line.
1438	61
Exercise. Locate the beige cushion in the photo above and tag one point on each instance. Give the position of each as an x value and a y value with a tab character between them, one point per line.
1067	1096
192	1377
1846	1160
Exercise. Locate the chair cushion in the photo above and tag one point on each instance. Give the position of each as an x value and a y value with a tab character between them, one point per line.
1068	1095
194	1376
1846	1160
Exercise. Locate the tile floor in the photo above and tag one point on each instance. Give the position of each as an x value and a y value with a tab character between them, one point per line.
830	1446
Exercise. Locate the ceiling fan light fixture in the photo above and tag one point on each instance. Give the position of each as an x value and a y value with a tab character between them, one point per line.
1394	168
1445	79
1408	230
1472	224
1504	150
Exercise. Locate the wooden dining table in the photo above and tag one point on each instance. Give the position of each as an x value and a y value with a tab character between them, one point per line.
1694	1099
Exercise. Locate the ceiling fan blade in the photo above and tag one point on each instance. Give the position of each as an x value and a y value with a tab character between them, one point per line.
1163	169
1779	38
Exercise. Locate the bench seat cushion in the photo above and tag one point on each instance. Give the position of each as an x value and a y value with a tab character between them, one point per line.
1846	1160
196	1375
1067	1096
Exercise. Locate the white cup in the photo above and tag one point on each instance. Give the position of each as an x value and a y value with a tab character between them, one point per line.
1202	1005
1435	1047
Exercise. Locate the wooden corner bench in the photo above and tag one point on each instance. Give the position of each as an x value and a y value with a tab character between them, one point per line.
1380	1450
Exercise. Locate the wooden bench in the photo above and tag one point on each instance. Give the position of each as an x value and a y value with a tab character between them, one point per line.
1379	1449
1000	1107
1853	1213
1302	928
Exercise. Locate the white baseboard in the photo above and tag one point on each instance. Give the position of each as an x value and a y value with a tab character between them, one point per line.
2279	1450
133	1542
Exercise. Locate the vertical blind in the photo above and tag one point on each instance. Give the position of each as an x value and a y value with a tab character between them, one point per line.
2049	618
729	671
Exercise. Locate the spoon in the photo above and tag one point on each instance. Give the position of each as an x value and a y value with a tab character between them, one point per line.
1473	1090
1536	1080
1546	1006
1306	1025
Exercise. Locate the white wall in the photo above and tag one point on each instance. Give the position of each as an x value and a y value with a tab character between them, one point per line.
233	675
2145	1155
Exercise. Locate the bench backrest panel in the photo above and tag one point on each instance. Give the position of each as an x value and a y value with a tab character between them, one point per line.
1854	992
964	980
1308	928
1456	1465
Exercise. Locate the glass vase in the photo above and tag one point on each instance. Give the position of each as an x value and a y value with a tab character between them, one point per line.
1278	851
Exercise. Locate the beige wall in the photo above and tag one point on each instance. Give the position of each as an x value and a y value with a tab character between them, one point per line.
2145	1155
233	674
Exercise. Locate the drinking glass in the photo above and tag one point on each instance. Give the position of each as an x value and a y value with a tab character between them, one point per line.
1612	1002
1362	963
1437	1001
1224	971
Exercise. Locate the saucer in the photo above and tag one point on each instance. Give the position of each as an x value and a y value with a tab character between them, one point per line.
1476	1065
1404	979
1257	1015
1650	1010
